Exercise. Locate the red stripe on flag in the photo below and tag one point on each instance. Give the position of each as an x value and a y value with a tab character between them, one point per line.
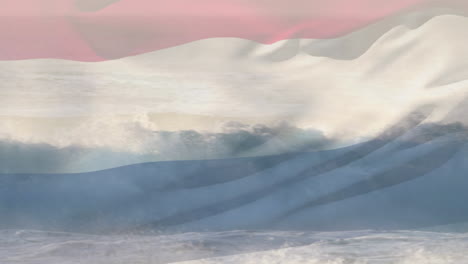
64	29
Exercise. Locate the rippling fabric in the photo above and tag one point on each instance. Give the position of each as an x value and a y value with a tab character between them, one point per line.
170	116
87	30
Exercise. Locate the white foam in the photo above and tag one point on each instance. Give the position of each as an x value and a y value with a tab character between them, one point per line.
363	247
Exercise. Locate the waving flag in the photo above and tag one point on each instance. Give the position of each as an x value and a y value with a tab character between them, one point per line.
86	30
136	115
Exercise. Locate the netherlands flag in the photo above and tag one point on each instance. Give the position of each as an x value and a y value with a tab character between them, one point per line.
124	115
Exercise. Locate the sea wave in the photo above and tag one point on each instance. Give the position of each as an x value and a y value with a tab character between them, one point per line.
357	247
